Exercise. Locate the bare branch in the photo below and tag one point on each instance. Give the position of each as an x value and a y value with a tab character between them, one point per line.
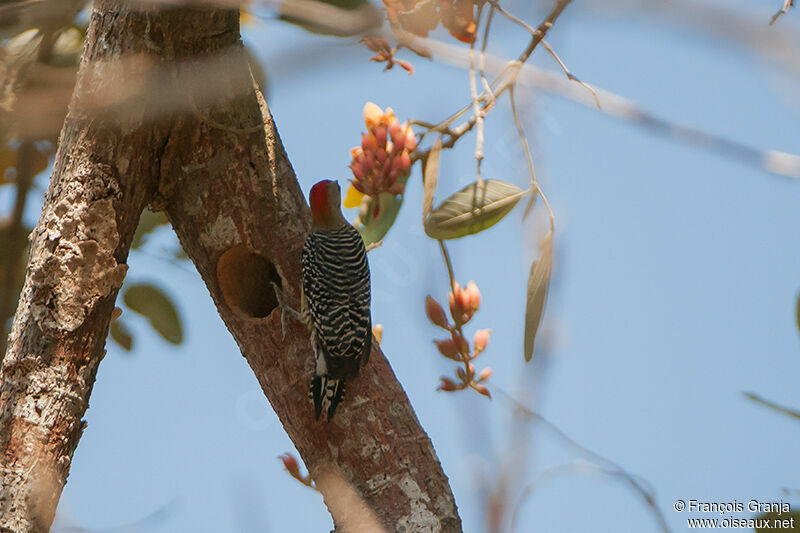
786	5
774	161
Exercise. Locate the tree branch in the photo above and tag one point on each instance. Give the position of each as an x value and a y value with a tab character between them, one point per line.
241	217
105	173
219	170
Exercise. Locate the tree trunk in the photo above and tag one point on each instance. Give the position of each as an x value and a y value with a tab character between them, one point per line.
215	163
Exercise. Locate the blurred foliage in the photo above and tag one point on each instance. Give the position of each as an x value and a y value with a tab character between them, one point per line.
797	313
9	155
378	216
18	264
151	302
148	222
538	283
120	334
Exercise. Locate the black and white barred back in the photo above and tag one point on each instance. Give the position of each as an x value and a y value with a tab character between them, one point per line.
336	290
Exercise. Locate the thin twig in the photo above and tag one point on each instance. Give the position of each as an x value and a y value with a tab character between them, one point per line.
646	494
570	75
464	356
786	5
507	76
529	159
774	161
482	58
477	112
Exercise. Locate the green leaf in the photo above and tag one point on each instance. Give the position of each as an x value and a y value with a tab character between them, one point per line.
120	334
777	521
538	283
154	305
148	223
374	227
766	403
473	209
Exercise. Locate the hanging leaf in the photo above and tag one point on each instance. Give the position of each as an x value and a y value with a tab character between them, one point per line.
120	334
154	305
148	222
538	283
430	175
375	226
473	209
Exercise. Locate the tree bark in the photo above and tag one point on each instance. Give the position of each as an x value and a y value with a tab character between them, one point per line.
219	170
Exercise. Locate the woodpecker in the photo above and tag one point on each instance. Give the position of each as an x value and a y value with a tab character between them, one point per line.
335	298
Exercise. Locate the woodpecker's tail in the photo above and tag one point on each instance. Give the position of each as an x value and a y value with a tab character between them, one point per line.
327	393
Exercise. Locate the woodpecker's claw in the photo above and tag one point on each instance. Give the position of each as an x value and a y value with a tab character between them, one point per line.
284	308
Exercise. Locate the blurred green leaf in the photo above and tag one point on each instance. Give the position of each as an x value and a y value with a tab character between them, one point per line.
153	304
120	334
430	176
19	262
786	521
473	209
148	223
341	18
774	406
538	283
797	312
375	227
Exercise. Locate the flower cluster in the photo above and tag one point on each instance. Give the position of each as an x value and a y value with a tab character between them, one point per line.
385	53
421	16
464	302
383	161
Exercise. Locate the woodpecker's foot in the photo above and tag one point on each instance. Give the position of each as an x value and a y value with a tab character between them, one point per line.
284	308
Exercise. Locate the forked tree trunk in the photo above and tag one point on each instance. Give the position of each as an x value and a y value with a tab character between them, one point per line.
199	143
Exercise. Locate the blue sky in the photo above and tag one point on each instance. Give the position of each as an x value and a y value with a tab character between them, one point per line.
675	278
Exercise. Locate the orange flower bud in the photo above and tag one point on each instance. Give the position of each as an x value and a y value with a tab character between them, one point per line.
481	339
435	313
470	370
405	162
381	155
483	390
447	385
484	375
368	143
411	140
379	132
473	296
455	308
372	114
448	348
398	136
